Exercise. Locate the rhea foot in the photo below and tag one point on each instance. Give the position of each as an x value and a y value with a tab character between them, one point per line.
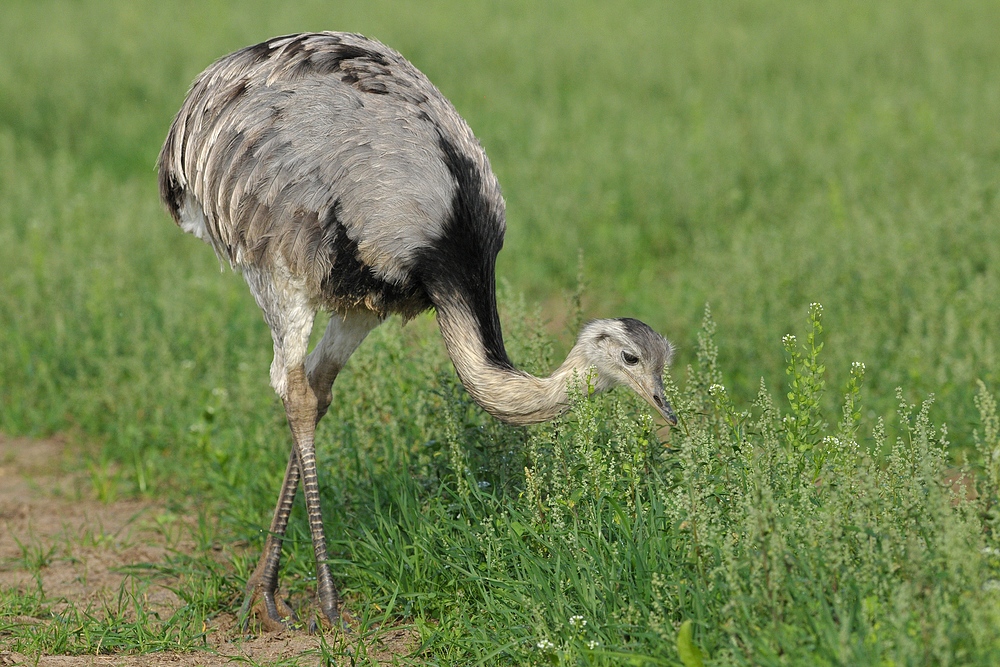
273	613
328	598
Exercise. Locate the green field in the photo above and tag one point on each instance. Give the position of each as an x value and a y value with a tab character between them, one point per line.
655	157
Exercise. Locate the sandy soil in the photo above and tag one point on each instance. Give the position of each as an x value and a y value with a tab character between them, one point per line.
52	515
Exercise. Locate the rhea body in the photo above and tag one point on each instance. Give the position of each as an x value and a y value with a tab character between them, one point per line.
335	176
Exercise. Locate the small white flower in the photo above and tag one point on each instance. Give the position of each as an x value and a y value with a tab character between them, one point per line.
545	645
716	389
577	621
592	644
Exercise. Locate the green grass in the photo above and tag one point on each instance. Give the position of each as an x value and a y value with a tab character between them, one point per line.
755	156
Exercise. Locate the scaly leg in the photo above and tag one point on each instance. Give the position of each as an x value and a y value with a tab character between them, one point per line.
342	336
263	583
288	313
301	407
306	390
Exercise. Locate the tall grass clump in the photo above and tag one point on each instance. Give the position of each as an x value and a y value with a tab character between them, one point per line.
753	536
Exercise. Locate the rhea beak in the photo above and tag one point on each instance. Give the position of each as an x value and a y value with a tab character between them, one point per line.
663	406
652	391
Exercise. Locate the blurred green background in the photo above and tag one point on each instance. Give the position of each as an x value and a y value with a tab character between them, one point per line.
755	156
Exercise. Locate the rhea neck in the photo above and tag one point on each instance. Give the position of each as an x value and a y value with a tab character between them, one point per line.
509	394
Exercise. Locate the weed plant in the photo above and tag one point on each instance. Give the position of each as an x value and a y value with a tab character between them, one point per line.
776	534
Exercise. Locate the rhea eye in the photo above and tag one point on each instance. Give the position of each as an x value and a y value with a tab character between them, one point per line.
630	359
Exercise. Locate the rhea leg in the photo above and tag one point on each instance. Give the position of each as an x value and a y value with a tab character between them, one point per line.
289	315
342	336
262	585
344	332
301	408
306	390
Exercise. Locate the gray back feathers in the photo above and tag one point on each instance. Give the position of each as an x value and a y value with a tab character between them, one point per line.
305	149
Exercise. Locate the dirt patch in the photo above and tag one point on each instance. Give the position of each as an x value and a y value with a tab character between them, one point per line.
54	534
51	528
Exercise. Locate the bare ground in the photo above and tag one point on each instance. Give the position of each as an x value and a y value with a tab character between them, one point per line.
54	531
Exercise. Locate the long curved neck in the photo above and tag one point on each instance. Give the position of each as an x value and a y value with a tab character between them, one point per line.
509	394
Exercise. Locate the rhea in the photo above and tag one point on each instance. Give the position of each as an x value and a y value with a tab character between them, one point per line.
331	172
